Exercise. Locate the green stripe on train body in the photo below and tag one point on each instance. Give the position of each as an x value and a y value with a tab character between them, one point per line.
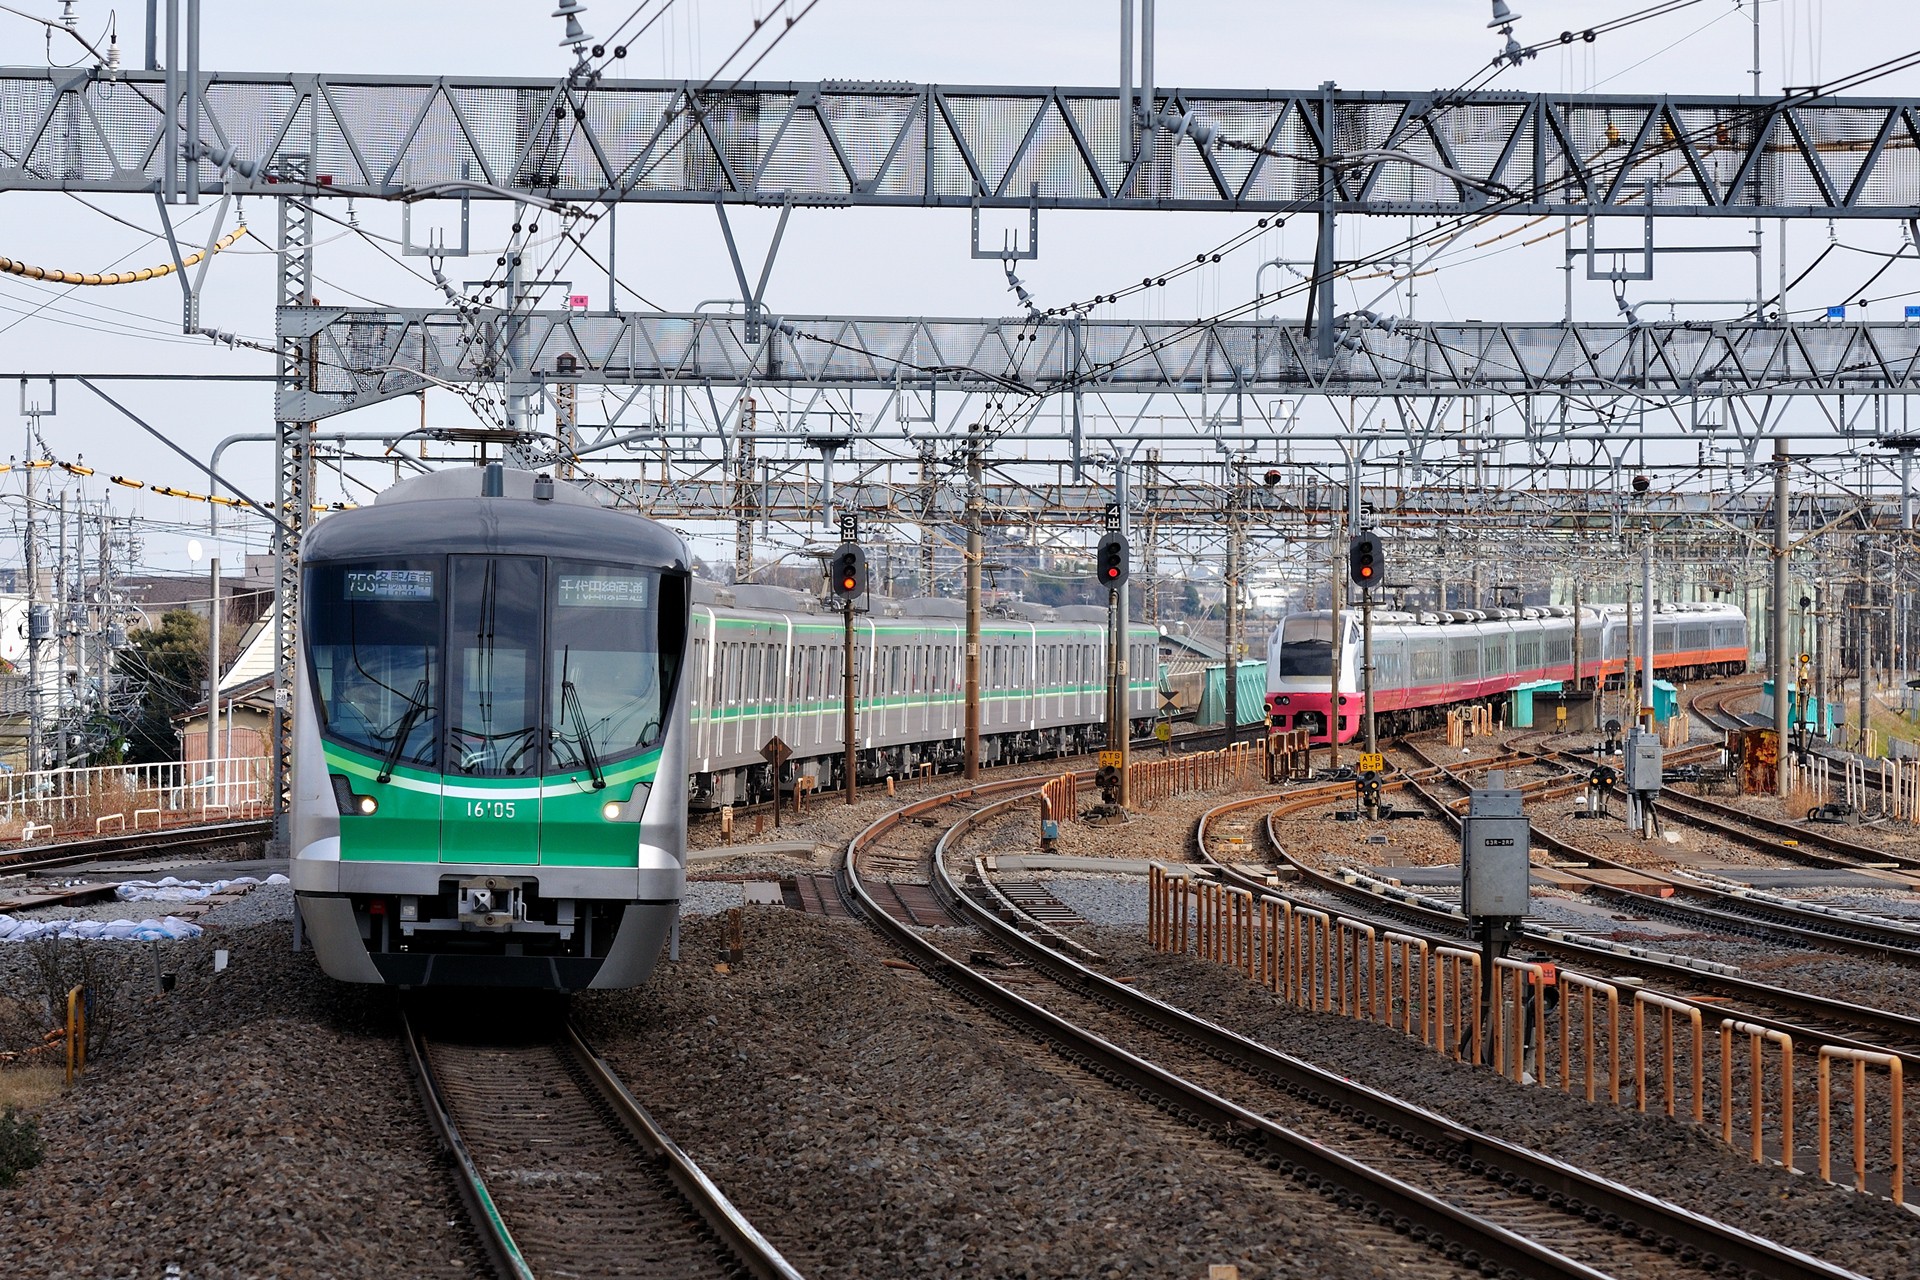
424	816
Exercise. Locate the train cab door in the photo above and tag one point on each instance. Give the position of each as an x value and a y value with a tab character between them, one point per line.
490	802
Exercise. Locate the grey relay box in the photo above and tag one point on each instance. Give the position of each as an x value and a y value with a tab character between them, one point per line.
1495	838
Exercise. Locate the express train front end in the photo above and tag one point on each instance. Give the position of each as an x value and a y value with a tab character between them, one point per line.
489	754
1301	692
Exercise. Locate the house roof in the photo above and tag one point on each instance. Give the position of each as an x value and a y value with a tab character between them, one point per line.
1194	645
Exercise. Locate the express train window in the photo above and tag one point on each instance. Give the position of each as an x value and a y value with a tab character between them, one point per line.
1306	647
493	665
612	660
373	642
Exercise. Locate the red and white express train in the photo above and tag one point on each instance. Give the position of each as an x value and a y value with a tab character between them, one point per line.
1427	662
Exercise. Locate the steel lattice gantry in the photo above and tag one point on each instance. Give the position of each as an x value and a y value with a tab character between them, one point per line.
363	357
841	143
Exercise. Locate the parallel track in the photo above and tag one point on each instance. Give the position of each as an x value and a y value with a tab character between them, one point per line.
565	1174
131	844
1803	1015
1705	906
1494	1206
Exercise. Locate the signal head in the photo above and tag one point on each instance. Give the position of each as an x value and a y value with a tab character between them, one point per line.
1110	560
847	576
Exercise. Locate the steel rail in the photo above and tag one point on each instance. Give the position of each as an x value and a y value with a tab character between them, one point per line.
1390	1198
482	1212
754	1254
1728	912
72	851
754	1251
1534	1173
1452	928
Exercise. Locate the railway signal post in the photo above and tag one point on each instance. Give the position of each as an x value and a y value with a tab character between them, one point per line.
1366	566
848	581
1111	568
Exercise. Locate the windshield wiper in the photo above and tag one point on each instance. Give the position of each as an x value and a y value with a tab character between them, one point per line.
416	707
570	700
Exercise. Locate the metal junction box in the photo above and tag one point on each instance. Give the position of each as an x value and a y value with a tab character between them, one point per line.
1495	838
1644	761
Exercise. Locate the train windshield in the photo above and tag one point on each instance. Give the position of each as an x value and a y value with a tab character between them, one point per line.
493	651
374	644
1306	647
612	654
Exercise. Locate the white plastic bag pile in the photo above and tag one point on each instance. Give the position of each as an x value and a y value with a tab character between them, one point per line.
169	929
172	890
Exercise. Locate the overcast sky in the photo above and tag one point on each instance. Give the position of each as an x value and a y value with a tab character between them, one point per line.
871	262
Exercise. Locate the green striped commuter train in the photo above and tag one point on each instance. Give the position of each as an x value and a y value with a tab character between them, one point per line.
509	695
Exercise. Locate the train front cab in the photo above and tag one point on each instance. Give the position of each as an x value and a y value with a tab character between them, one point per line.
488	792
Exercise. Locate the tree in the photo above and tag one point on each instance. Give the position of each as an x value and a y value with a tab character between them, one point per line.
168	664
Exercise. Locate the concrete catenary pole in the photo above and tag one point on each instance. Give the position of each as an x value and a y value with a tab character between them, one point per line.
1777	645
972	770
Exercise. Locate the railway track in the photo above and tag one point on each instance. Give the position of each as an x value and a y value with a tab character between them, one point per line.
1714	989
1489	1204
71	852
565	1174
1704	905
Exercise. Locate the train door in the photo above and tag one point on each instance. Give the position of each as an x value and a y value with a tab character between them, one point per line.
490	799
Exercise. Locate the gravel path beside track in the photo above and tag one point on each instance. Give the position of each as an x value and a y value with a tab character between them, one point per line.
257	1122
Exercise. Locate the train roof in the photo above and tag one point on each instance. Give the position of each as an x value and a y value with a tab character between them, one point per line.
449	511
1588	614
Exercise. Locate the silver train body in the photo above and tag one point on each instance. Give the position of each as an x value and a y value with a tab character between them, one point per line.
765	662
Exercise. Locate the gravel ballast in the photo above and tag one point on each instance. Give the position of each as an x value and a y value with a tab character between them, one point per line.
256	1122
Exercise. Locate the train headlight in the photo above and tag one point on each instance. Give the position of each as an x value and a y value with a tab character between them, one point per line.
368	805
610	810
1284	700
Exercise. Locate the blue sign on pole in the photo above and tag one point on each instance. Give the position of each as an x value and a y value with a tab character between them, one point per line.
1836	313
1913	312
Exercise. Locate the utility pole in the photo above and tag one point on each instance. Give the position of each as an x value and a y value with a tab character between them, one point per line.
105	650
293	495
63	649
1366	642
1336	588
1646	620
974	553
1120	732
36	617
743	496
926	524
1783	769
847	690
1232	671
214	612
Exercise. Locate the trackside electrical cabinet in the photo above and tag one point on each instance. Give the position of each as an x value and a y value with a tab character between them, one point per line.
1494	840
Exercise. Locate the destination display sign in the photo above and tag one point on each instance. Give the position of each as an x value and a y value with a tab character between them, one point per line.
389	584
604	593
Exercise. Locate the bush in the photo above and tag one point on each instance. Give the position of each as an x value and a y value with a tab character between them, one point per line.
20	1146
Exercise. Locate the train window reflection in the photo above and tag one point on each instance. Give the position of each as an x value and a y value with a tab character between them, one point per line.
374	650
1306	647
493	630
609	683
